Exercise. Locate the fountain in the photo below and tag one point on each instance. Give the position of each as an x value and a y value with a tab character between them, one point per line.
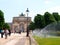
49	30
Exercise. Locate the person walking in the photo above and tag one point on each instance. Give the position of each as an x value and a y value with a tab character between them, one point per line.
2	33
6	33
9	32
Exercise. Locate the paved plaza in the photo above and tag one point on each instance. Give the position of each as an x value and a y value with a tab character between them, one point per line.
15	39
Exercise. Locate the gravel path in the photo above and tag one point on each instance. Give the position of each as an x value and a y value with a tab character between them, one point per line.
15	39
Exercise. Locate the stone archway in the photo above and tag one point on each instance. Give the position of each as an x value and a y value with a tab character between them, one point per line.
21	26
21	23
16	29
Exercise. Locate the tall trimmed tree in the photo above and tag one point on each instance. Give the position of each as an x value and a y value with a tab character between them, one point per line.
56	16
32	26
1	19
6	26
39	21
49	18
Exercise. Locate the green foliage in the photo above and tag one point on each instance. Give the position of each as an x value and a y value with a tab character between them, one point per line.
2	22
39	21
1	19
56	16
6	26
49	18
32	26
43	22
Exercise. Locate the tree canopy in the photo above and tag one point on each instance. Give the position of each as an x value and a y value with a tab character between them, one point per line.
6	26
40	21
56	16
49	18
1	19
32	26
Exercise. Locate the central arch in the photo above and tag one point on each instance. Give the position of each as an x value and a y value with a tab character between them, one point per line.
21	27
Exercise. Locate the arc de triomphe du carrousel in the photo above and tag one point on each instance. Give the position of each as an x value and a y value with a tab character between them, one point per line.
20	23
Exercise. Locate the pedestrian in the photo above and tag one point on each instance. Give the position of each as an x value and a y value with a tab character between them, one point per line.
9	32
6	33
20	32
2	33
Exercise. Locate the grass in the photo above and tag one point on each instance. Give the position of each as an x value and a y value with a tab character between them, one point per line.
47	41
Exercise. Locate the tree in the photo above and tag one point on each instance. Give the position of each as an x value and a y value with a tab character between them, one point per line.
49	18
6	26
32	26
39	21
1	19
56	16
43	22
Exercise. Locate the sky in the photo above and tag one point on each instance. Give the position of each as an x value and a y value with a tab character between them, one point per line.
13	8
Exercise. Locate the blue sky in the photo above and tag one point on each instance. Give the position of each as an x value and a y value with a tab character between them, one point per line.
13	8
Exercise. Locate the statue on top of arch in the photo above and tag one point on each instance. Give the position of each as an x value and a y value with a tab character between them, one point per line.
22	14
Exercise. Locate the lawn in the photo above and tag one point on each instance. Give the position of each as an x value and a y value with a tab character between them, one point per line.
47	41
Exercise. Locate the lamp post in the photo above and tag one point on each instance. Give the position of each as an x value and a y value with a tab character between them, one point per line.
27	11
